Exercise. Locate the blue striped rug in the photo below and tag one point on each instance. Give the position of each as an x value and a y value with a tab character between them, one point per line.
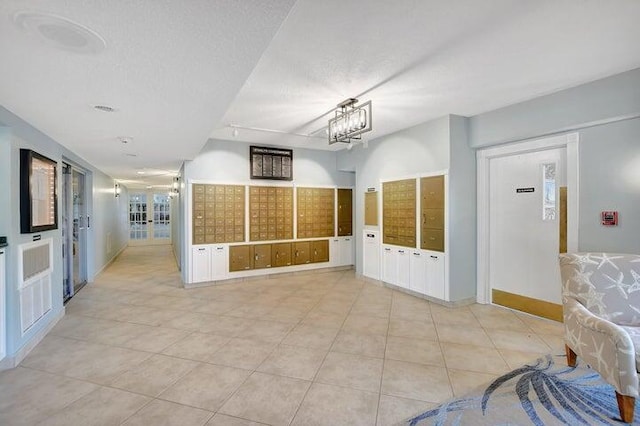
546	392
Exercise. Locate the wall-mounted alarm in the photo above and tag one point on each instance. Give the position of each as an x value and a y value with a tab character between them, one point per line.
609	218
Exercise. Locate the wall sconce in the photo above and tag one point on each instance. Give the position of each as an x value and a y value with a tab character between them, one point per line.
116	190
175	187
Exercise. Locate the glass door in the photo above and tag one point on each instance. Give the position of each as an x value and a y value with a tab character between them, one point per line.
149	218
75	224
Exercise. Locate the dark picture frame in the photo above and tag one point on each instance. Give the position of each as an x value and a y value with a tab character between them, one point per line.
38	192
271	163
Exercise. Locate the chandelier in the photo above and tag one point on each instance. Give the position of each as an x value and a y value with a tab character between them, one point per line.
350	121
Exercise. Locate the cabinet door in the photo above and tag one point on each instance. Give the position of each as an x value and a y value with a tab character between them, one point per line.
418	272
240	258
404	268
435	275
262	256
346	251
320	251
389	265
200	264
433	239
281	254
301	253
344	211
334	252
432	189
219	262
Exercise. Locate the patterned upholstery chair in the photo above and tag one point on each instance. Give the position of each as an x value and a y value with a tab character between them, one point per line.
601	300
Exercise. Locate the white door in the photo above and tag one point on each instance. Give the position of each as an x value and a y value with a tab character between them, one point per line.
3	316
149	218
524	223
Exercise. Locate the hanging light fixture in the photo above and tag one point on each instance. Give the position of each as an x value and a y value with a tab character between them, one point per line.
350	121
116	190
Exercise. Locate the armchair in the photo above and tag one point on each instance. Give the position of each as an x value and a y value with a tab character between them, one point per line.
601	301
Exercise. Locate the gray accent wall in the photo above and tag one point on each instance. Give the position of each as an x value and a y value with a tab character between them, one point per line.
610	180
462	211
606	115
609	99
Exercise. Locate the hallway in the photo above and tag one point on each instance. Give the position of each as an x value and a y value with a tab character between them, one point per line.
135	348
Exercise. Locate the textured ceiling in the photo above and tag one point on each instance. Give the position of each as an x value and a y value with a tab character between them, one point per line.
419	60
170	68
179	72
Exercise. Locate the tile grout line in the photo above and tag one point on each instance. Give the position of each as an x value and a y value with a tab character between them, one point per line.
313	380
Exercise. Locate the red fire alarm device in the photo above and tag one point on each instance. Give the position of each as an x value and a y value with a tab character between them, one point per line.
609	218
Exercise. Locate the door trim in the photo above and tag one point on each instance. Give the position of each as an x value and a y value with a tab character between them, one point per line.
483	157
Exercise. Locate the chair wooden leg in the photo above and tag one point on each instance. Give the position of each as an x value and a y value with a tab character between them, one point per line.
571	356
626	404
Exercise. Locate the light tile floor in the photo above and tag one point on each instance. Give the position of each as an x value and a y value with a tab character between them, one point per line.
135	348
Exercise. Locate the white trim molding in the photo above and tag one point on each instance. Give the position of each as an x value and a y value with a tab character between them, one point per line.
484	156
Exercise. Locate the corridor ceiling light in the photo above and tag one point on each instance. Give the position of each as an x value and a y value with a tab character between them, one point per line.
350	121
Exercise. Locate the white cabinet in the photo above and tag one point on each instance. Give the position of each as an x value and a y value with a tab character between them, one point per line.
404	268
346	250
435	274
371	254
219	262
200	264
341	251
389	265
209	263
418	271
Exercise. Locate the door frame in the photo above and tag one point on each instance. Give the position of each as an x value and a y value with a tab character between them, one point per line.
483	157
84	238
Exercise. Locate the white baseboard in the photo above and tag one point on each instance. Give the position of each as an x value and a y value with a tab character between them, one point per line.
113	259
15	360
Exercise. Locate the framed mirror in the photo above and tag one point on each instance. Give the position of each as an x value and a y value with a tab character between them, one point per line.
38	195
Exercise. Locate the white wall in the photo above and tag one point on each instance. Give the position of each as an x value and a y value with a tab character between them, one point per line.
412	151
225	161
228	161
19	134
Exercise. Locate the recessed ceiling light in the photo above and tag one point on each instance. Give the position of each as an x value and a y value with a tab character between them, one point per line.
149	186
125	140
140	172
60	32
104	108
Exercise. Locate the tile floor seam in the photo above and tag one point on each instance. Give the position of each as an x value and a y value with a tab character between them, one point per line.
384	361
315	376
137	411
93	342
66	377
196	363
